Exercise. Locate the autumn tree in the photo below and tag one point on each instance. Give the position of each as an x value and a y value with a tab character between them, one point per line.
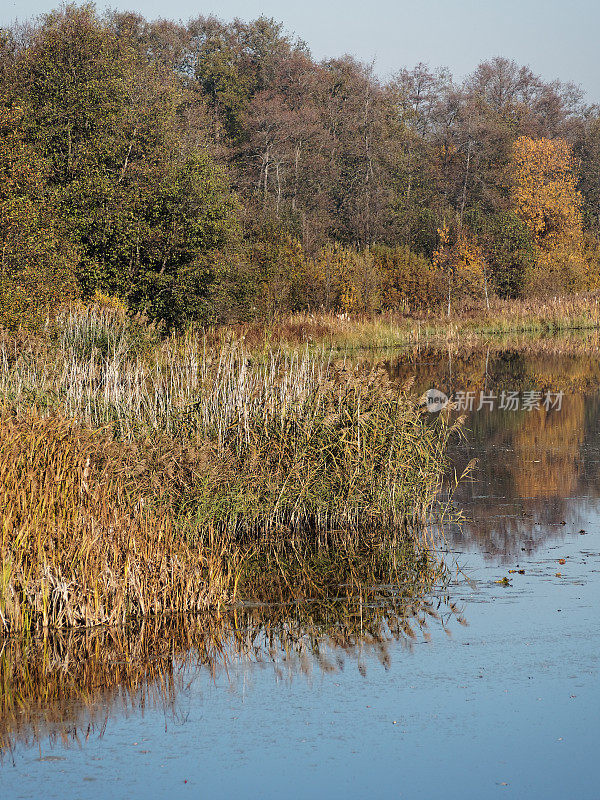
588	153
409	281
128	161
508	248
461	260
211	169
546	199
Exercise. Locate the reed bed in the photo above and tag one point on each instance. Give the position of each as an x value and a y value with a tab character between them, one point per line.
84	539
101	368
138	478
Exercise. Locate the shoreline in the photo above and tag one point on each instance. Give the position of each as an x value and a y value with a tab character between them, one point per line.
388	330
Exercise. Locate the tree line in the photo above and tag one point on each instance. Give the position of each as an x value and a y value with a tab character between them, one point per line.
217	171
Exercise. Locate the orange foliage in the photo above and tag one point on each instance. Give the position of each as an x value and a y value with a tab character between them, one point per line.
545	197
346	279
463	256
442	256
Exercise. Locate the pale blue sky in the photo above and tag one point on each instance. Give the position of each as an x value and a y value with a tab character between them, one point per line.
557	38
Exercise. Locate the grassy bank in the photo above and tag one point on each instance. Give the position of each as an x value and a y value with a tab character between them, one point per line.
504	318
142	477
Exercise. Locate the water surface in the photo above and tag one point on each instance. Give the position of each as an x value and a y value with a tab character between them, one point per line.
478	689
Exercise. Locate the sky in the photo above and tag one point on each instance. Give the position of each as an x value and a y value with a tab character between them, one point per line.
556	38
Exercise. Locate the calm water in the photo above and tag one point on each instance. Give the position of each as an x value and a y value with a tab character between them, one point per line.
492	691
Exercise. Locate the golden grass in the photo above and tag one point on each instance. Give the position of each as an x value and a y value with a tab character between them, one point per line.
96	530
83	539
534	317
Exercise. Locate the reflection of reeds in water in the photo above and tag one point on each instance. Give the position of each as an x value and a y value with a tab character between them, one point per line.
66	684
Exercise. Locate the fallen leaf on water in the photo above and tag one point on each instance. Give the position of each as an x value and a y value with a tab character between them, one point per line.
558	574
562	560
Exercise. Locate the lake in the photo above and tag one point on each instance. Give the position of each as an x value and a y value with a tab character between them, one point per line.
485	686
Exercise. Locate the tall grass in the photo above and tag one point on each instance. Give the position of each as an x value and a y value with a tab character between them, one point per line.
203	458
98	368
389	329
86	540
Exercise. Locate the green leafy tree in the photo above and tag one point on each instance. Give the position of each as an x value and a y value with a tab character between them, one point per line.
189	224
509	250
37	260
138	188
218	74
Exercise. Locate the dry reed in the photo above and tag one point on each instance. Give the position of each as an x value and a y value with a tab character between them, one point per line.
203	456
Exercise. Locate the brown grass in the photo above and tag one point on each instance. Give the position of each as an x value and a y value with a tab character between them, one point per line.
393	329
88	534
100	531
137	476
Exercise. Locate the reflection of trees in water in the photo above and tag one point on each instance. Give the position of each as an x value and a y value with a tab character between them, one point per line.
66	686
529	462
570	369
507	530
546	450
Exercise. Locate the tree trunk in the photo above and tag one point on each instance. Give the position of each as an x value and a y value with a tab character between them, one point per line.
464	192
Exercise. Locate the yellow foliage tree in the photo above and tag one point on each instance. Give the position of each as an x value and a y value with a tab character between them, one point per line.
409	281
545	197
462	262
349	279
